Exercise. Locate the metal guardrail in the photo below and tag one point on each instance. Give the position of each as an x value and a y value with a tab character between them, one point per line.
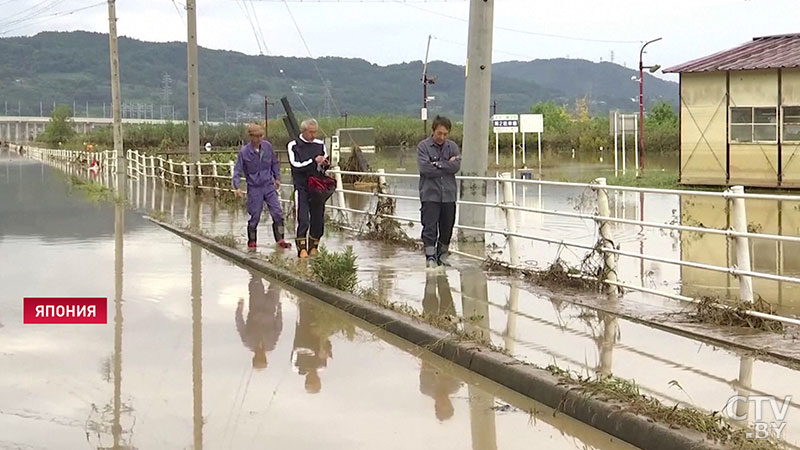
217	175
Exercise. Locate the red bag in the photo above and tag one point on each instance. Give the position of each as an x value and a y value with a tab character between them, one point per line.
321	188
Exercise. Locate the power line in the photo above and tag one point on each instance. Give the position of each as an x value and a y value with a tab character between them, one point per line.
243	6
31	12
22	23
258	22
515	30
262	46
313	60
461	44
178	10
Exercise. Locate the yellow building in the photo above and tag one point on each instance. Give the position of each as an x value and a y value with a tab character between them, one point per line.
740	115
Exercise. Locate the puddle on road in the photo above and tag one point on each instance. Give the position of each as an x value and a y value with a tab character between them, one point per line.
201	353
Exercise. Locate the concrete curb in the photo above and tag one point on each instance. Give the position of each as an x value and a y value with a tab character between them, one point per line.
528	380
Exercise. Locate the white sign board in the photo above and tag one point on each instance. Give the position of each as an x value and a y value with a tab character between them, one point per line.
424	114
531	123
505	123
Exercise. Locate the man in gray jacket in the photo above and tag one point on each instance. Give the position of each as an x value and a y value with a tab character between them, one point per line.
439	159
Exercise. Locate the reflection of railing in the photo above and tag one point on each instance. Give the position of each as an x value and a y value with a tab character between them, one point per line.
216	176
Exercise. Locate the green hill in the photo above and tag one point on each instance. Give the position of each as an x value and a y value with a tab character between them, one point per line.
73	67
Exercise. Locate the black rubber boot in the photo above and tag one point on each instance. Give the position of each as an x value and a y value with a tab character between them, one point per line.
302	251
251	238
313	246
277	231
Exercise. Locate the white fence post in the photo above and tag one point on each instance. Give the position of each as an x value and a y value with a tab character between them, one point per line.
215	174
199	174
231	165
186	173
171	172
511	219
610	266
381	181
739	212
337	174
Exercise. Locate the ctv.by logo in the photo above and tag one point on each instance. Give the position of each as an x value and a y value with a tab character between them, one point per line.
738	408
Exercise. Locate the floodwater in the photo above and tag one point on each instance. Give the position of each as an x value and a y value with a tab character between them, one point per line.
536	325
199	353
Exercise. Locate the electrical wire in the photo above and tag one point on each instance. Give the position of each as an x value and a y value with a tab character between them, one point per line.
515	30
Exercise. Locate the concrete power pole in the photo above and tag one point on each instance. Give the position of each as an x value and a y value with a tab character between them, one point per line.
194	100
116	108
476	115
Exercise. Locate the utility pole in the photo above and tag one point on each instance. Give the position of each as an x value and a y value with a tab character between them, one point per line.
641	99
194	101
116	110
267	104
425	82
494	108
476	109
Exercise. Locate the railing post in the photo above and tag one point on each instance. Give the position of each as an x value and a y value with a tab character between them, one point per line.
215	174
739	211
186	173
231	165
337	174
153	166
171	171
610	266
381	181
199	174
511	219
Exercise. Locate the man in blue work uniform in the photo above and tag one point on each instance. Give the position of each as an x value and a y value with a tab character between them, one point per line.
439	159
308	158
262	171
261	330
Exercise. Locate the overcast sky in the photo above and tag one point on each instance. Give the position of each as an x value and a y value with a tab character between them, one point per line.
386	32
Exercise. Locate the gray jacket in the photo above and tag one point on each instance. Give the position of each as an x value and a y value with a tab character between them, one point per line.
437	173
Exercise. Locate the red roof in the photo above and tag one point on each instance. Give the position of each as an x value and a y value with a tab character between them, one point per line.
766	52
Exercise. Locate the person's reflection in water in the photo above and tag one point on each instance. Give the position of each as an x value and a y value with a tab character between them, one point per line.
311	346
264	323
432	381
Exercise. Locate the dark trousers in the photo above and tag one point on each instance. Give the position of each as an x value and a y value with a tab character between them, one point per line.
310	216
437	226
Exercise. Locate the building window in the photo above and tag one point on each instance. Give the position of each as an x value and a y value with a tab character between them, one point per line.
791	123
754	124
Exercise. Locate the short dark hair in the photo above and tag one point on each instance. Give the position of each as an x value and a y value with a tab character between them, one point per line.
441	121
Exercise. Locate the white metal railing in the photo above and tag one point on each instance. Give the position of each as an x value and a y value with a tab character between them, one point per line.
738	232
216	176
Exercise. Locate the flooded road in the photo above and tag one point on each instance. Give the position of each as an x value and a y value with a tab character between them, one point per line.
200	353
533	324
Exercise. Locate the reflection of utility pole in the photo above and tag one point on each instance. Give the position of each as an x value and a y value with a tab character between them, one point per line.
197	329
511	319
118	408
119	231
475	307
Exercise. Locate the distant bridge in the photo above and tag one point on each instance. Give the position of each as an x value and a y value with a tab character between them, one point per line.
27	128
